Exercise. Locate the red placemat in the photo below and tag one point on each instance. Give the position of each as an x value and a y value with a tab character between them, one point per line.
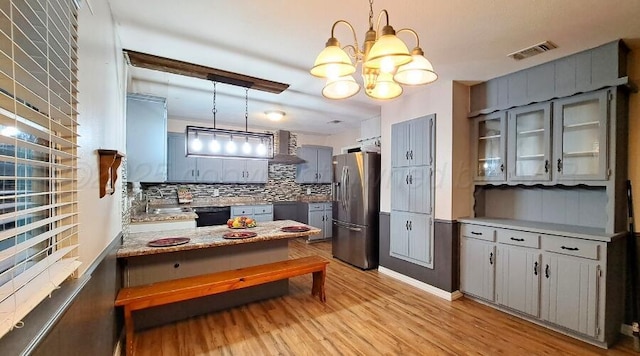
295	228
239	235
169	241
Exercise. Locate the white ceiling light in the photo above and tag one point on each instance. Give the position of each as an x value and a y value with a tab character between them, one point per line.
274	115
386	61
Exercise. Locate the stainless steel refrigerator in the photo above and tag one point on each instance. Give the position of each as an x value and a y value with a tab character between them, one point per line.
356	190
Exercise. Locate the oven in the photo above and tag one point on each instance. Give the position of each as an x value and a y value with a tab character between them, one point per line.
212	215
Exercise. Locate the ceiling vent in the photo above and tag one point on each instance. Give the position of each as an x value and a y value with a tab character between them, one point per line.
533	50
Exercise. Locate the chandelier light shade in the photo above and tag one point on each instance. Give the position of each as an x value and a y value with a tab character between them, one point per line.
388	52
417	72
333	61
340	88
385	63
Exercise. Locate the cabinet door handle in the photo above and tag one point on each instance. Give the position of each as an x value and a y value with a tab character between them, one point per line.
319	175
559	165
546	166
502	167
198	173
546	271
569	248
515	239
535	268
407	179
323	218
406	155
410	178
411	154
410	225
476	233
491	258
193	172
406	225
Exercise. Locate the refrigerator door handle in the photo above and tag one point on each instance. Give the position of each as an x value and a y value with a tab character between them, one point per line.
339	224
347	197
342	187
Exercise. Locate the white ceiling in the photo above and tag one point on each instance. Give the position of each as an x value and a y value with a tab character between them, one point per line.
278	40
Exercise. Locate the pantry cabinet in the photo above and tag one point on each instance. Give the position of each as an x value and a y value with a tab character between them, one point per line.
411	240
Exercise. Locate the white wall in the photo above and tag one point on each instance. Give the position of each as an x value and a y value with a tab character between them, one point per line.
436	98
101	106
463	165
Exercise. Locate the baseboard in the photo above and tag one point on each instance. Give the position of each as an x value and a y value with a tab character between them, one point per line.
420	285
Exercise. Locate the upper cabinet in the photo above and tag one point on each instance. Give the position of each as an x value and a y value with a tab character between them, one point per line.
580	136
318	167
490	132
411	145
147	153
529	151
247	171
565	141
183	169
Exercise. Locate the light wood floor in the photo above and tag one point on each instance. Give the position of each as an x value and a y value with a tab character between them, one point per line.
366	313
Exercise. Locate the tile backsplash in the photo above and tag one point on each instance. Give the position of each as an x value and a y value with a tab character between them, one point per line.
281	186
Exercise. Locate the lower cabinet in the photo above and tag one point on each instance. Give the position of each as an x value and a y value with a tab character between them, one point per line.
263	212
568	280
410	237
318	215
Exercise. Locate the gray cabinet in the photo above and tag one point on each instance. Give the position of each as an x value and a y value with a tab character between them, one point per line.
146	153
254	171
580	136
529	143
490	147
260	213
182	169
411	143
568	278
411	237
318	167
518	278
319	215
477	261
412	187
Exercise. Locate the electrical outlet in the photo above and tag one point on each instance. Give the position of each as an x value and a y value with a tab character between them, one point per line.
308	191
216	192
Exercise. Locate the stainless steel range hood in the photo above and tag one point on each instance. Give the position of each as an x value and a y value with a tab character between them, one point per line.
282	155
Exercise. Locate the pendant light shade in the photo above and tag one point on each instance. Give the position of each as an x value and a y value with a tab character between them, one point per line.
417	72
340	88
332	62
385	88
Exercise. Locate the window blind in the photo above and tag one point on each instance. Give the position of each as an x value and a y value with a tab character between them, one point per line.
38	153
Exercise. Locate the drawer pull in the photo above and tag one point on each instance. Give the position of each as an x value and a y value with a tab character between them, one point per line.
569	248
546	271
535	268
475	233
491	258
515	239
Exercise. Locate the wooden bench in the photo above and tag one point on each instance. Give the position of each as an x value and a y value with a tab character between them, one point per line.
177	290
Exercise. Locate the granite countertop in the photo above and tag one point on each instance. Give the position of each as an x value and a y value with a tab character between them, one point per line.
315	199
150	217
135	244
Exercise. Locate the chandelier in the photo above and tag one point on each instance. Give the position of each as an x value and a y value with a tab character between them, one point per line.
386	63
222	143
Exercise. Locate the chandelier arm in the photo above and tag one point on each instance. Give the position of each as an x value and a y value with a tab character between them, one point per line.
352	48
353	31
383	11
415	34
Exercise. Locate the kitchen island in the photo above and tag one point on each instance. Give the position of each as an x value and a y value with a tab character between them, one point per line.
206	252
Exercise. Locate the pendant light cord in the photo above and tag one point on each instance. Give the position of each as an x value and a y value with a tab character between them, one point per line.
246	110
214	110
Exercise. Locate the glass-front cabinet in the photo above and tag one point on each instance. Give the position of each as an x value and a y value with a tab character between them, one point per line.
580	137
490	147
529	151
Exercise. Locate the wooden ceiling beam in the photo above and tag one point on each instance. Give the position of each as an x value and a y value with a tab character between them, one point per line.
149	61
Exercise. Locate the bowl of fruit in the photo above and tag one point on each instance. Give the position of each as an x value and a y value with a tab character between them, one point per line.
241	222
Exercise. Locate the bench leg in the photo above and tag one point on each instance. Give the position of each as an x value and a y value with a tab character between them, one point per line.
128	326
318	284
